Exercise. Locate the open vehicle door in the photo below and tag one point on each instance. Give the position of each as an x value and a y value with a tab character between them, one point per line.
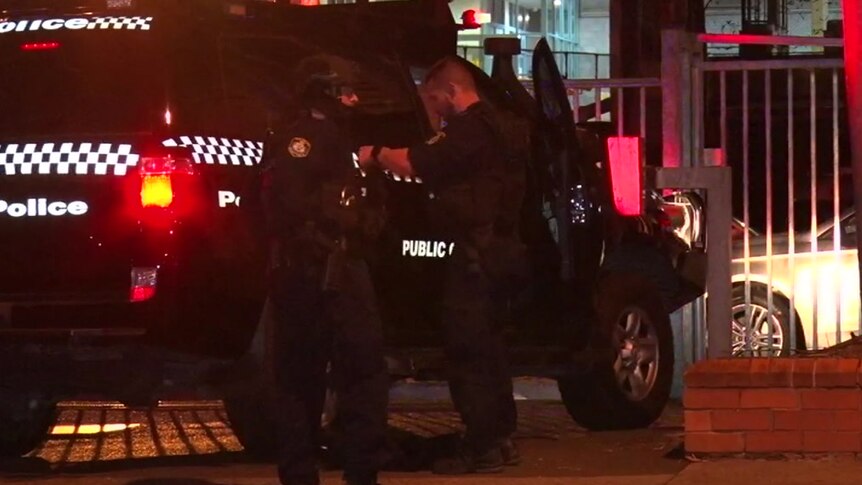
568	205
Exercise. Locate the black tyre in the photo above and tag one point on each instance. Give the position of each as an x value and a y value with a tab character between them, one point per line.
250	409
629	382
249	393
24	421
752	325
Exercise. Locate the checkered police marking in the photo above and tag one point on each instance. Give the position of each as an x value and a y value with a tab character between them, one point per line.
66	159
120	23
396	178
389	175
78	23
222	151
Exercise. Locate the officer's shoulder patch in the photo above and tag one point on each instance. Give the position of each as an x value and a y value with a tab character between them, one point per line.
436	138
299	147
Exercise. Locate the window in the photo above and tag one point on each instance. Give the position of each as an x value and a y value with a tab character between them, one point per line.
848	232
93	82
847	228
256	79
529	19
594	7
498	11
258	74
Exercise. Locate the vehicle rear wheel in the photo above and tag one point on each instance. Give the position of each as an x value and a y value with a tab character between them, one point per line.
629	382
24	421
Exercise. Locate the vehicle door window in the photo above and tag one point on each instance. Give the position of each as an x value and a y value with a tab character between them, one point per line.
848	232
256	75
389	110
549	88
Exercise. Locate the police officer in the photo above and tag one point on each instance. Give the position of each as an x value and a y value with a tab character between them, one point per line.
325	306
465	168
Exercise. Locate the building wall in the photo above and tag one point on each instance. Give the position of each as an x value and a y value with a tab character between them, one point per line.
595	25
594	33
589	32
529	20
722	16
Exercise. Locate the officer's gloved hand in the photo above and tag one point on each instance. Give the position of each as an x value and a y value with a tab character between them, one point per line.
350	206
352	195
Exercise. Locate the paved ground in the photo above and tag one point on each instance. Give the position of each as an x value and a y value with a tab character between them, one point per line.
190	443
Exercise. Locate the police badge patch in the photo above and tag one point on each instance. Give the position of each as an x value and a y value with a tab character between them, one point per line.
299	147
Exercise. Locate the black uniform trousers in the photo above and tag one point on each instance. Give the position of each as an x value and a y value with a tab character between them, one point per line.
314	328
480	381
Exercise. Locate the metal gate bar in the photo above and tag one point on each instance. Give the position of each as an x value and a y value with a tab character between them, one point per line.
815	284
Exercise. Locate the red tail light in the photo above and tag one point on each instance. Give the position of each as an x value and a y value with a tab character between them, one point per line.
141	293
143	285
157	179
624	156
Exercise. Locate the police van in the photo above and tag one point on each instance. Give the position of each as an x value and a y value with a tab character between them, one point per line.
129	130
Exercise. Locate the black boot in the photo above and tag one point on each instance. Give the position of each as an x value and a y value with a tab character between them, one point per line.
361	479
509	450
465	461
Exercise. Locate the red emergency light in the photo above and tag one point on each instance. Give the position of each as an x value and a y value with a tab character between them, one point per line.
471	19
624	157
40	46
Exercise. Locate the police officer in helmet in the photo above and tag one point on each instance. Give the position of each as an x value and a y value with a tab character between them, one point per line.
476	198
324	302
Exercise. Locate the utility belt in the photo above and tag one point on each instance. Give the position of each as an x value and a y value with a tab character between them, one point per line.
318	255
501	255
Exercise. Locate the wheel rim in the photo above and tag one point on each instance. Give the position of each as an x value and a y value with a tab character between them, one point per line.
751	332
637	361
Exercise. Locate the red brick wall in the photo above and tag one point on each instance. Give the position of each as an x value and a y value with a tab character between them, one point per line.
791	405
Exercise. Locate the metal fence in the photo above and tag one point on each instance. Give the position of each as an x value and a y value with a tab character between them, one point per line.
573	65
620	103
780	123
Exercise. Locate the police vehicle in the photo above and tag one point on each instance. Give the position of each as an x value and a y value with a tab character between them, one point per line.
128	131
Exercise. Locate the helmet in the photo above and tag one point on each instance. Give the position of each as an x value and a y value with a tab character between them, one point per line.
324	76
